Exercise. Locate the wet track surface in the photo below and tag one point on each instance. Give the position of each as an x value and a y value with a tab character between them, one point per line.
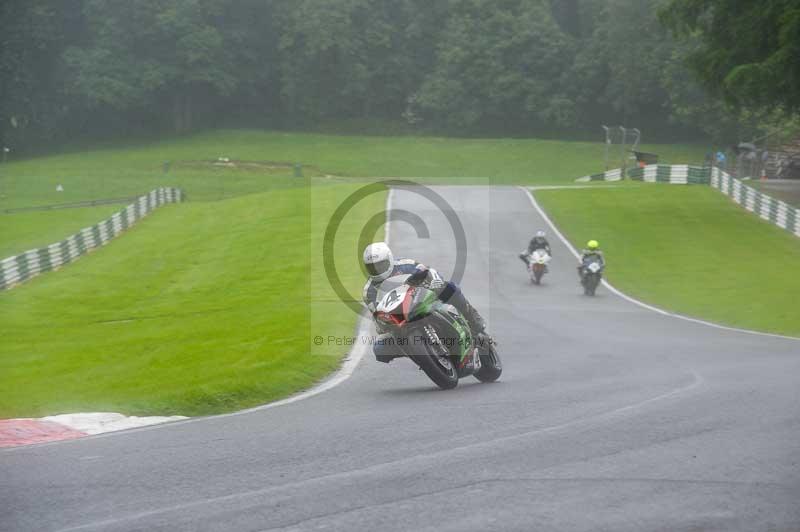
607	417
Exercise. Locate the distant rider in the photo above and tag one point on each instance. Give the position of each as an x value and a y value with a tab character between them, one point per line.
591	250
539	241
381	265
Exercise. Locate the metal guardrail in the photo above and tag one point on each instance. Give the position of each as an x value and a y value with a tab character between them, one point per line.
764	206
19	268
679	174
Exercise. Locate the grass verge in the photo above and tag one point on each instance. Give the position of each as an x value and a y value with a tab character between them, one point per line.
22	231
132	169
688	249
200	308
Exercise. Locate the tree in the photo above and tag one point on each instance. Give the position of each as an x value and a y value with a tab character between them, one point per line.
157	54
342	59
86	68
33	104
616	75
748	50
499	63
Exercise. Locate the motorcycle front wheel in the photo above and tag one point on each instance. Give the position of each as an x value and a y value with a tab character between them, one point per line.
590	284
437	365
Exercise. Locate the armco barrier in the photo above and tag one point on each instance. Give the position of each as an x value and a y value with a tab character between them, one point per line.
676	174
608	175
19	268
766	207
679	174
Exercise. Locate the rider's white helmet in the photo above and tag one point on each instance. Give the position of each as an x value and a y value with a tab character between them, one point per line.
379	261
540	234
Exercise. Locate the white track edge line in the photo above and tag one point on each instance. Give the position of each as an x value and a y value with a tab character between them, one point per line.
345	372
636	301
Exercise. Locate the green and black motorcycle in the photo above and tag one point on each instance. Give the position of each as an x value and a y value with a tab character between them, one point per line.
591	274
436	336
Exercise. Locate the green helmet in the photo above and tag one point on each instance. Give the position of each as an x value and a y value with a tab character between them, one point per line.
592	244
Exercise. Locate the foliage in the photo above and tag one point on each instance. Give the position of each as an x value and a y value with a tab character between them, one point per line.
688	101
33	105
495	64
97	68
748	51
154	54
351	58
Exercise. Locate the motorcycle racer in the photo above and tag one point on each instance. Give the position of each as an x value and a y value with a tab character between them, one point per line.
539	241
592	249
381	265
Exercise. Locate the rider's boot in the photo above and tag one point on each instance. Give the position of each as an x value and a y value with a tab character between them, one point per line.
524	258
478	326
475	320
385	349
453	295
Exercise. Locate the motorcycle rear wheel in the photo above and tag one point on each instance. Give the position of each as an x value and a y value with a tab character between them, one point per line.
491	366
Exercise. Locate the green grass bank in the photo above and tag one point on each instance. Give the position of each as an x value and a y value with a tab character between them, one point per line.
688	249
260	160
211	305
200	308
121	170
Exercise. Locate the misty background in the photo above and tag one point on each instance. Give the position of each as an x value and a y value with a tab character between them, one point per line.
100	69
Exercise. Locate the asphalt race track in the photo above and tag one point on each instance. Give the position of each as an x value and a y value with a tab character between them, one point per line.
608	416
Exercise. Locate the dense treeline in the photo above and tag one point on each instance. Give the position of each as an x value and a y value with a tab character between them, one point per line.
88	68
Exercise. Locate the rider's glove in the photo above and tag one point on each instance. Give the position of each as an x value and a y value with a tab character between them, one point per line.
418	277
